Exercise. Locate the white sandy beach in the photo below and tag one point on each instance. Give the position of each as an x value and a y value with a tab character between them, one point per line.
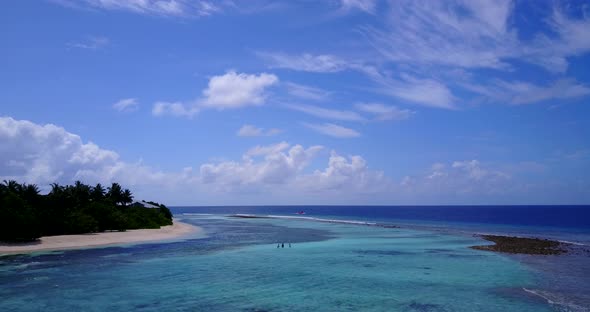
62	242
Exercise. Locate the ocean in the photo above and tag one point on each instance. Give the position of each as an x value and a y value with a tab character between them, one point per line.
335	258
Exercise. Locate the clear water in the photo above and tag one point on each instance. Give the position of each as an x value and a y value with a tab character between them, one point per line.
238	267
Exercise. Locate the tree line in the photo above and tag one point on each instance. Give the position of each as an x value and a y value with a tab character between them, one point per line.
26	215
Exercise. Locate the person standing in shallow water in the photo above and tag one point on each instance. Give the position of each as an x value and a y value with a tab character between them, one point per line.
283	245
289	245
278	245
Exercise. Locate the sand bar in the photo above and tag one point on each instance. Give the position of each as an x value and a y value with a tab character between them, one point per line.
63	242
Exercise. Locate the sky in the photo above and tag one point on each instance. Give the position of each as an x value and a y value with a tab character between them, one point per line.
335	102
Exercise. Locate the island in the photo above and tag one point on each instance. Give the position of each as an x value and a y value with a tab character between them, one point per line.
26	215
522	245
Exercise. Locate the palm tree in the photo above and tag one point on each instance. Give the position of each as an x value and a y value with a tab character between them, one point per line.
81	192
115	193
56	189
30	192
97	193
127	197
13	186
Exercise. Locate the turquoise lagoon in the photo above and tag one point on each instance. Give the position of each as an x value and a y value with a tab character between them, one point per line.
238	267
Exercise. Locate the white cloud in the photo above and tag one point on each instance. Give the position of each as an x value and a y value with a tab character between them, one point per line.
463	33
280	169
333	130
326	113
233	90
278	166
45	154
437	171
426	42
475	34
126	105
426	92
91	43
520	92
169	8
176	109
473	169
228	91
206	8
261	150
351	174
306	92
253	131
273	131
459	178
572	39
250	131
384	112
363	5
523	93
323	63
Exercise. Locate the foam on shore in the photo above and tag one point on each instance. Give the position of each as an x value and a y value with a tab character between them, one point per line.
340	221
560	301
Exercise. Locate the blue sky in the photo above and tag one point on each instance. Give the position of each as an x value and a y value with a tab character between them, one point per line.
300	102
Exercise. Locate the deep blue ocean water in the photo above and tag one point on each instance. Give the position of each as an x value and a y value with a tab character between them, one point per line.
554	216
425	265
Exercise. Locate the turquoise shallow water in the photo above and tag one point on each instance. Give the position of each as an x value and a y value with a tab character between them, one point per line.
238	267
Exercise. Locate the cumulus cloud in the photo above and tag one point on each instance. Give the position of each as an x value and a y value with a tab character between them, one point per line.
228	91
126	105
234	90
253	131
281	168
265	174
458	178
278	166
261	150
473	170
333	130
45	154
344	173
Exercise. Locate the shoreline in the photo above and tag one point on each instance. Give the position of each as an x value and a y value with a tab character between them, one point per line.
82	241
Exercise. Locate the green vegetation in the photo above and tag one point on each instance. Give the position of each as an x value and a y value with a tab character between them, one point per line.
26	215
